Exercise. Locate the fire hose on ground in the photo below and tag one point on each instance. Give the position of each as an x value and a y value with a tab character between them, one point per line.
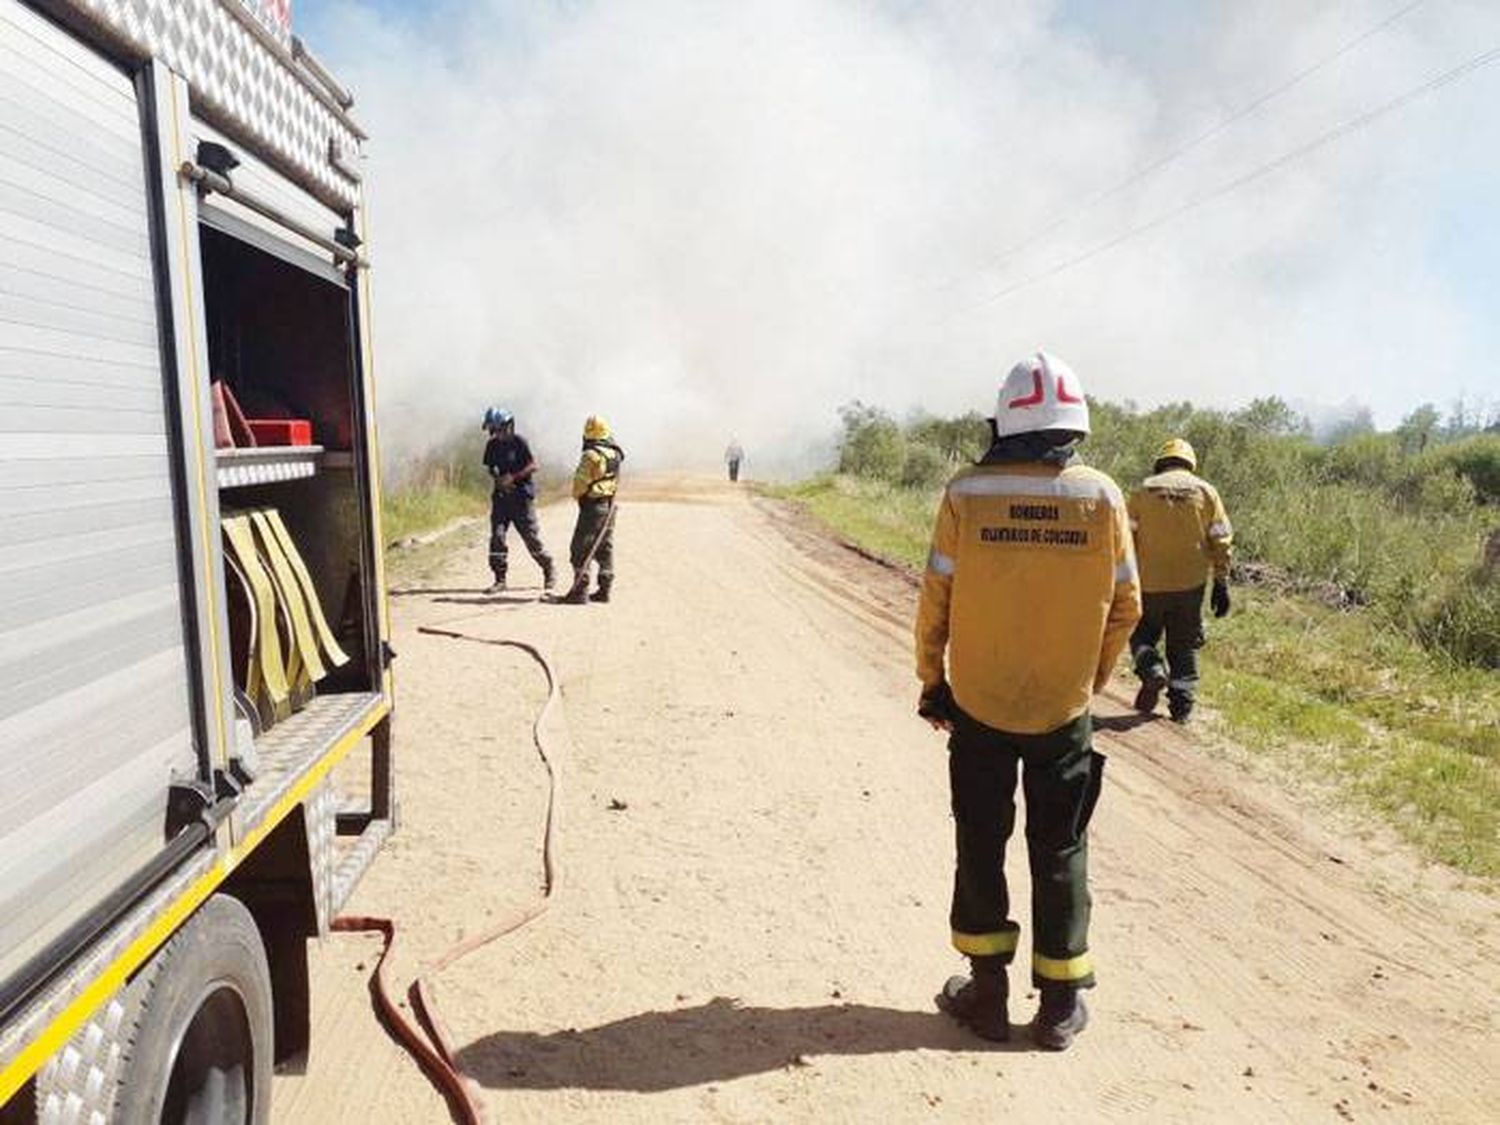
425	1038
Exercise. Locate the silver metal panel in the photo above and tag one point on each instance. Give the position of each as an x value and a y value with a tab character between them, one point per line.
248	80
320	817
86	586
91	273
274	239
63	495
95	712
355	860
292	747
183	266
81	370
36	703
23	196
78	91
243	468
258	179
78	1084
26	282
15	1035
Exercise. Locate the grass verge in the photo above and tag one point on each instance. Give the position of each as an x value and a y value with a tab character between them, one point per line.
891	521
1389	726
413	510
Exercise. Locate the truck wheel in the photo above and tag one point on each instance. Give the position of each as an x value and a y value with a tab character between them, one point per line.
198	1038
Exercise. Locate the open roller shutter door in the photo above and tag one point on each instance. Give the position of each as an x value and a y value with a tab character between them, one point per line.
95	712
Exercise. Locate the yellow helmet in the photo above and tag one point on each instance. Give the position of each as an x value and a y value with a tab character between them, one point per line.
1175	449
595	428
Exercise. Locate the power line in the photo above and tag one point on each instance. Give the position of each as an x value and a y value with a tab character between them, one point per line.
1352	125
1170	157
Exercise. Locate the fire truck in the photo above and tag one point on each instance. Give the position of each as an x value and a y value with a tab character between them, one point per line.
195	691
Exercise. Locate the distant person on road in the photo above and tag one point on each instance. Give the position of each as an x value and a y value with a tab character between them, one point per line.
508	460
1030	593
594	487
1182	536
732	457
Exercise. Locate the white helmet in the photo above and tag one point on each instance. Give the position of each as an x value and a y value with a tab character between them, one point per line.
1041	393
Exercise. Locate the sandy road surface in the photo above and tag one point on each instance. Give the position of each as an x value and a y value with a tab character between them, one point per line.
757	934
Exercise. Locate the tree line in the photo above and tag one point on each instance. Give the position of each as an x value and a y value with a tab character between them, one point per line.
1393	523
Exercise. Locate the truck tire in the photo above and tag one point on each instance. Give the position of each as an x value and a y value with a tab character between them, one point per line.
193	1033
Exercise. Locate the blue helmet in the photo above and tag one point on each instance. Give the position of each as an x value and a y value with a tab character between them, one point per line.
494	417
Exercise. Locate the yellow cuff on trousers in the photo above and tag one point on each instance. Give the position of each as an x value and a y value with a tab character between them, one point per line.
1064	970
986	945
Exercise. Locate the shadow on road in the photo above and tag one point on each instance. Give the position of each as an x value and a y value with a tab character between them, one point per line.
1121	723
713	1042
461	595
427	591
492	599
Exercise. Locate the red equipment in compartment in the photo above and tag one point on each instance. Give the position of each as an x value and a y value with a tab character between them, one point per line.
281	431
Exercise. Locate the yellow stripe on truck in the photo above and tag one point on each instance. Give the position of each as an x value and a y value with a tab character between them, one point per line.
114	975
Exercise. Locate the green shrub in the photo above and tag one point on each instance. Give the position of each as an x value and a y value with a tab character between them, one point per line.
1477	460
1370	459
960	439
1465	621
873	445
924	467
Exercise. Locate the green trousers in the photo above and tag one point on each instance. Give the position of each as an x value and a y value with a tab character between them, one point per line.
592	519
1060	775
1179	615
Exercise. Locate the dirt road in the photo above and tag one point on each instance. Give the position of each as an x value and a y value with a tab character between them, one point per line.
756	859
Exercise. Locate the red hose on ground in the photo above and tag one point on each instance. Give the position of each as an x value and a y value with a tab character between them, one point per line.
426	1040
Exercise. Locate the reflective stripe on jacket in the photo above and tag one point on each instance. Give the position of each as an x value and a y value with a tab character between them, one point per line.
1031	589
1182	533
598	473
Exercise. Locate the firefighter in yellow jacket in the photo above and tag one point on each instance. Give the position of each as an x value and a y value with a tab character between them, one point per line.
594	485
1030	593
1183	537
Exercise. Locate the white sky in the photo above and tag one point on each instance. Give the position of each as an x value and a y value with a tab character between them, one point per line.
705	218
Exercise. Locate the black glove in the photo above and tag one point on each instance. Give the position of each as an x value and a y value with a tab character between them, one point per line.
1219	599
936	703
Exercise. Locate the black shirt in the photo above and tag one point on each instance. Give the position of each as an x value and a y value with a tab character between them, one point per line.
510	455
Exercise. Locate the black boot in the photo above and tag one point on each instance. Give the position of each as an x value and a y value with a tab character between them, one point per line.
578	593
602	593
1179	706
1152	681
979	1002
1060	1018
498	586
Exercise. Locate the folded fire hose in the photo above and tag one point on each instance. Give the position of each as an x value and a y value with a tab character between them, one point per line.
286	645
425	1038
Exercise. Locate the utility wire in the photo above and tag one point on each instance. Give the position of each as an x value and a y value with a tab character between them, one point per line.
1352	125
1150	169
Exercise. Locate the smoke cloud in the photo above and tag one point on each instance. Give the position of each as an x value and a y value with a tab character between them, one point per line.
716	219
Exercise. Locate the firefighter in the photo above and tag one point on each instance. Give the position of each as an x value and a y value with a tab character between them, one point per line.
508	460
594	486
1183	536
1030	592
732	458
